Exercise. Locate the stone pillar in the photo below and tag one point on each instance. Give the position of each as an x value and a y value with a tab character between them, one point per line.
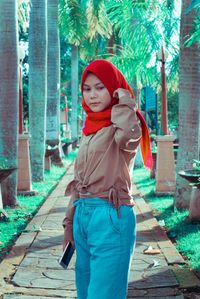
138	159
165	165
47	163
64	123
62	117
24	172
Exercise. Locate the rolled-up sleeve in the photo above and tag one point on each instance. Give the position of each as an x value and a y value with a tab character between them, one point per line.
128	127
68	221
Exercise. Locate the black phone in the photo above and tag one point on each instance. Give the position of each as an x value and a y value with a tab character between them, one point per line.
66	255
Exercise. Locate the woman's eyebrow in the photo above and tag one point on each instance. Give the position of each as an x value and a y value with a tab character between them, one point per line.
88	85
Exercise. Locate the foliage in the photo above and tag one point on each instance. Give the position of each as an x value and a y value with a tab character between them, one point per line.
135	33
129	33
3	163
172	98
19	217
80	24
193	4
23	14
196	164
135	28
65	62
182	232
83	20
73	21
98	22
195	34
142	29
23	22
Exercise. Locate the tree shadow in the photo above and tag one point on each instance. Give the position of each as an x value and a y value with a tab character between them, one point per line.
41	245
153	283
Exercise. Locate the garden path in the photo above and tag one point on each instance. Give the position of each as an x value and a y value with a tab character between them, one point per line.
31	270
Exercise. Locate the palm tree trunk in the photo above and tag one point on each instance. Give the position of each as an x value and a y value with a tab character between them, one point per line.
189	105
9	95
74	91
38	86
53	80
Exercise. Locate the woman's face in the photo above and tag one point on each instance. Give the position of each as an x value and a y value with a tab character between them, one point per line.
96	95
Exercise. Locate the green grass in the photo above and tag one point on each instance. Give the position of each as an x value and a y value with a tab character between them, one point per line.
185	234
28	206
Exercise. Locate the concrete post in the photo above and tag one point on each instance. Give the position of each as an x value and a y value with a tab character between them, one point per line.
165	165
24	168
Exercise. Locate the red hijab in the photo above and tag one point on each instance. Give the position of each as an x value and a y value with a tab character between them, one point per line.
112	78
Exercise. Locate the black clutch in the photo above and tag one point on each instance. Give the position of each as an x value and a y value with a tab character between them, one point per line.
66	255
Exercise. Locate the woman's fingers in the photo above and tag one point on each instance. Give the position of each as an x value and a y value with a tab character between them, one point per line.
67	241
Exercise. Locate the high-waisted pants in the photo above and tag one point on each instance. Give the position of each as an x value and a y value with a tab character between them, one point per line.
104	244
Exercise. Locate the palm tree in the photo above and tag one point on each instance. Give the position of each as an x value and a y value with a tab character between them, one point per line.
53	80
189	104
142	28
74	27
9	93
139	38
37	86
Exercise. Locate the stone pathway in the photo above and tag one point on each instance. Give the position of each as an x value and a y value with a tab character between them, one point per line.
31	270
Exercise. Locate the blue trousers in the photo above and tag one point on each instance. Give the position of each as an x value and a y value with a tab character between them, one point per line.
104	246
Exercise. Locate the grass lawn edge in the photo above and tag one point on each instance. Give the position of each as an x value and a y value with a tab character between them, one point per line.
11	228
181	232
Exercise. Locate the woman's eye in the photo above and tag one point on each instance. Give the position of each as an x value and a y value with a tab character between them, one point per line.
100	87
86	89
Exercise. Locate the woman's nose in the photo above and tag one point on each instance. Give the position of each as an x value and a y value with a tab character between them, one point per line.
93	93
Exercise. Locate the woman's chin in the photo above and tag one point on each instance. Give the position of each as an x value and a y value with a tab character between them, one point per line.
96	109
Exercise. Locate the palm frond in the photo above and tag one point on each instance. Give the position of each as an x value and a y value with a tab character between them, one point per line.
73	21
93	50
193	4
135	24
98	23
23	13
195	34
97	6
142	30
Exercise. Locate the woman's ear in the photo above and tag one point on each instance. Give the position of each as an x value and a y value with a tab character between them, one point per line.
115	94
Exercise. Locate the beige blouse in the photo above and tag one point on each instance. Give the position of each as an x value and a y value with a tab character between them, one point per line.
102	167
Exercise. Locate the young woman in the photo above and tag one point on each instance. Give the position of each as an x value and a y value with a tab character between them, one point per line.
100	220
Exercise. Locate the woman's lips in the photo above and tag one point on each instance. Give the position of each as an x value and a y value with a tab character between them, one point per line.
94	104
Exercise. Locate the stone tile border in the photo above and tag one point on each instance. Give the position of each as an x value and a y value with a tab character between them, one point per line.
18	251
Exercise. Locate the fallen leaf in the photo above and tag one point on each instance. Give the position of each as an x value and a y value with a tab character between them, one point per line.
154	264
151	250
